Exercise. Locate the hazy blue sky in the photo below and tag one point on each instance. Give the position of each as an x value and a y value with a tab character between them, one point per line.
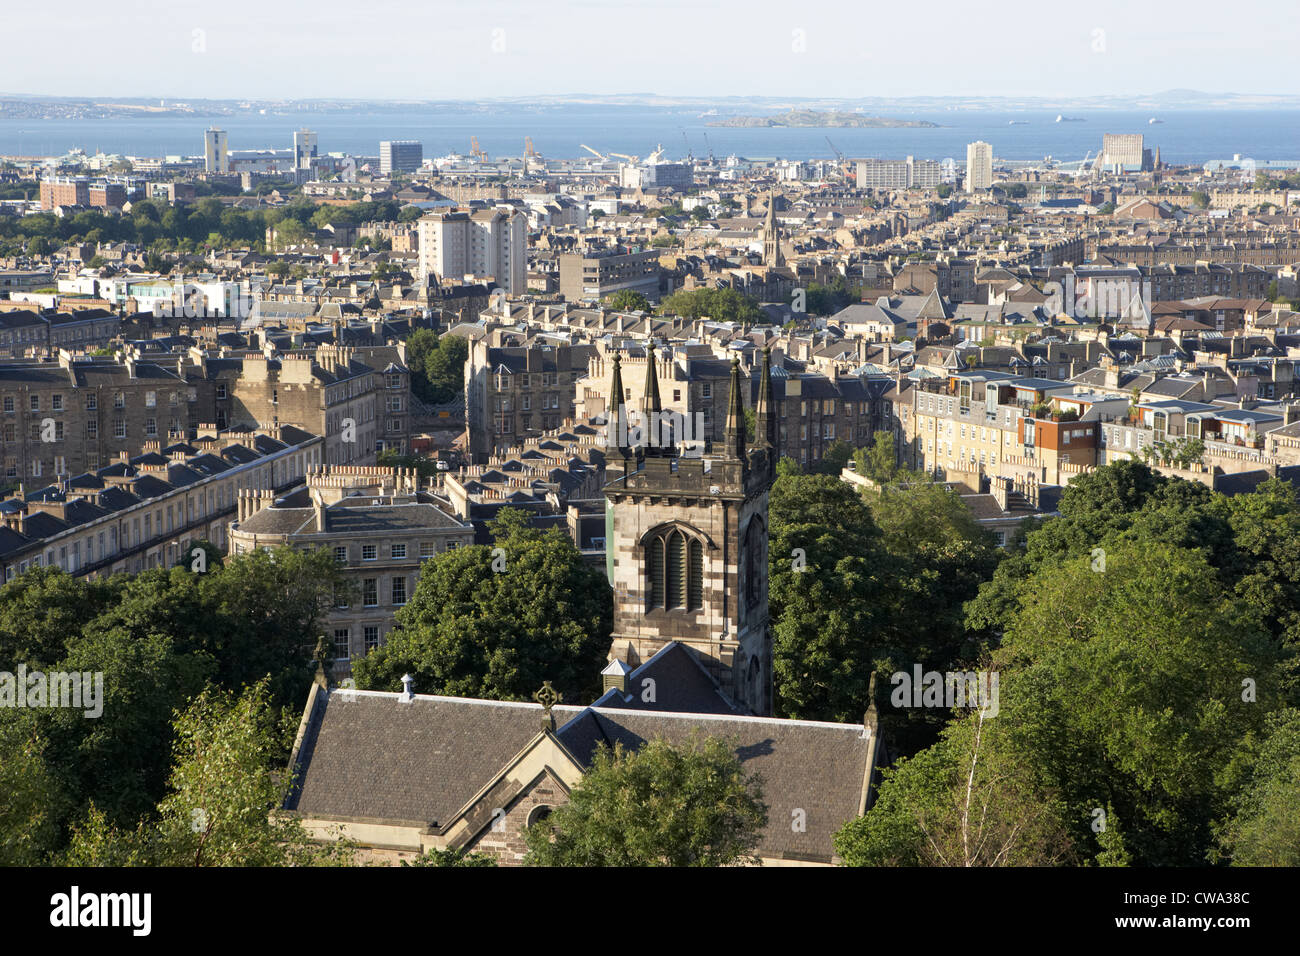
480	48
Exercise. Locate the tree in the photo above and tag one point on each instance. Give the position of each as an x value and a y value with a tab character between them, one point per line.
497	622
435	857
1264	829
836	457
628	300
824	597
34	799
225	789
878	461
721	305
661	805
1133	698
156	640
966	801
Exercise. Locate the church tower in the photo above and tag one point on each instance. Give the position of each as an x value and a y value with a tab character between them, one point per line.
772	257
687	540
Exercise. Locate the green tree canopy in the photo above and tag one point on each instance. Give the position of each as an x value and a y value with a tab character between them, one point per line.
495	622
721	305
661	805
628	300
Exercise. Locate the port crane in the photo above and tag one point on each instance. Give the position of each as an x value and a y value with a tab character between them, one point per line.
839	157
1083	166
477	151
601	156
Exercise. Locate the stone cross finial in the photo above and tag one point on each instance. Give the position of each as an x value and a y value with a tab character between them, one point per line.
548	697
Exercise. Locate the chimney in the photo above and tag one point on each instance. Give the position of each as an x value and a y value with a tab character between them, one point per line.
1288	413
407	695
1001	489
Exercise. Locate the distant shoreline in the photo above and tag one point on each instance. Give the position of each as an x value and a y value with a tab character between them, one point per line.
834	119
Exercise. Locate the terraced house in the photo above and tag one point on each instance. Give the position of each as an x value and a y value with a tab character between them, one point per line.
147	511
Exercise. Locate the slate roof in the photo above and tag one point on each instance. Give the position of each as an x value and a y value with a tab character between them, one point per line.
368	756
681	684
375	758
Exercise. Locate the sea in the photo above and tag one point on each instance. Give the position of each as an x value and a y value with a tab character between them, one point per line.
561	131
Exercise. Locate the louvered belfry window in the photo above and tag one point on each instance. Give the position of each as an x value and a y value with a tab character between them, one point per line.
675	571
655	564
695	576
676	596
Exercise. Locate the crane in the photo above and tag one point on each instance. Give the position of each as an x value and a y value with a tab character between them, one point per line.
477	151
601	156
839	157
687	143
528	148
708	145
1083	165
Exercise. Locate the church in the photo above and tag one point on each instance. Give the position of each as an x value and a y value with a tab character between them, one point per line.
691	650
686	538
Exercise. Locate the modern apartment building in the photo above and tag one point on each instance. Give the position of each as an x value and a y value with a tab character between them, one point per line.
909	173
216	152
304	149
401	156
591	276
485	244
979	166
679	176
80	191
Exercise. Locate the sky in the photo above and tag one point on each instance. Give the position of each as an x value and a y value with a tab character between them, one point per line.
475	49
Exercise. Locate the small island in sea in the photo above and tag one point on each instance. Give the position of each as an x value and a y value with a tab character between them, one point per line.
833	118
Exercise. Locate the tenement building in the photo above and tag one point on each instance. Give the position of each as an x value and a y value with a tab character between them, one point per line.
148	511
380	528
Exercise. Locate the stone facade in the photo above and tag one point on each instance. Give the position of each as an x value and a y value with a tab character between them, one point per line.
504	836
687	548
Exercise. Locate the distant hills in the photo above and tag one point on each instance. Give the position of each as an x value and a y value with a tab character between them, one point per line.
742	111
832	118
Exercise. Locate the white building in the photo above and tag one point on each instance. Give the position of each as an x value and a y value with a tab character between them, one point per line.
216	156
488	243
909	173
679	176
979	166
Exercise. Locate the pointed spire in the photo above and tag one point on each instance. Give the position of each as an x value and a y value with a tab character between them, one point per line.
616	414
651	406
735	434
765	421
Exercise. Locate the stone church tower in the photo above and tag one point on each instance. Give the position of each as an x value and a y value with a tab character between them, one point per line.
687	541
